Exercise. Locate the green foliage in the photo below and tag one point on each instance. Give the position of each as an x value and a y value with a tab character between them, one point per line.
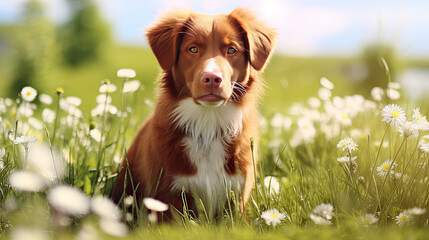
376	71
35	50
85	35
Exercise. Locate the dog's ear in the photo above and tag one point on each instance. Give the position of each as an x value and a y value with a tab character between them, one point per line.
164	36
258	37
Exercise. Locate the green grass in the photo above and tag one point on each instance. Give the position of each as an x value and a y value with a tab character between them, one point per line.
307	168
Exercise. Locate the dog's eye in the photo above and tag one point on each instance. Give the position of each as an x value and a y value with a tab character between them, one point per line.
193	49
232	50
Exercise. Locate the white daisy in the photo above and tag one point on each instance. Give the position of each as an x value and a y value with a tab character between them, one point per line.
305	132
74	101
314	102
326	83
324	94
416	211
3	107
368	219
385	167
287	123
128	201
107	88
401	177
28	233
319	220
26	109
325	210
273	217
409	130
277	120
105	208
343	118
393	94
425	147
129	217
126	73
45	98
96	134
307	128
36	124
131	86
69	200
155	205
25	141
48	115
403	218
28	94
46	161
101	99
2	153
394	85
152	217
148	102
346	159
114	227
377	93
420	120
272	185
393	115
26	181
347	144
101	108
417	116
88	232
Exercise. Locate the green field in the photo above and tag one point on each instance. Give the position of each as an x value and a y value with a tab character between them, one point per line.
299	148
288	79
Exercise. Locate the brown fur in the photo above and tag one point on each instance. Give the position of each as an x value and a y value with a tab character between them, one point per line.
157	154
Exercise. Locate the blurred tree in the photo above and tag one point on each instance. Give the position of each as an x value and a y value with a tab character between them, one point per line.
376	71
85	34
35	49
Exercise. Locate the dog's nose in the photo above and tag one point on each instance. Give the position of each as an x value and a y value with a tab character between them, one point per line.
211	80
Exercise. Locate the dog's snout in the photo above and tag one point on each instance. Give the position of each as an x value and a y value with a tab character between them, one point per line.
211	80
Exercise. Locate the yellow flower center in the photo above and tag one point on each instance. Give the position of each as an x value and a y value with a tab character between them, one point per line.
366	221
60	90
28	93
344	144
305	126
385	167
404	218
395	114
419	117
273	215
344	116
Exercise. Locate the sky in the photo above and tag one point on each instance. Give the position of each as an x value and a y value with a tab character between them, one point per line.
305	27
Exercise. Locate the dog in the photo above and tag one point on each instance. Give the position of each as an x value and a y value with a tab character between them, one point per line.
197	142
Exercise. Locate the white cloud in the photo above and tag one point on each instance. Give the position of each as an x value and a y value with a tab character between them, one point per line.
300	27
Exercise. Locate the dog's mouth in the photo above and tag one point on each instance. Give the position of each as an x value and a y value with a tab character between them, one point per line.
211	100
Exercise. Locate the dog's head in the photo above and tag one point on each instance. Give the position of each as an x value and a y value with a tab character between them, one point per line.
210	56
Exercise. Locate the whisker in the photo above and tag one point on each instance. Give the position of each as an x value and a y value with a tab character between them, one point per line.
188	34
238	91
189	26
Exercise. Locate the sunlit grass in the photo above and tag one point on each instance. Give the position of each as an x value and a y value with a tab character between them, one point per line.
329	168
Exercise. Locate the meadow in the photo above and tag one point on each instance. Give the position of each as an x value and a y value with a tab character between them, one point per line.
336	161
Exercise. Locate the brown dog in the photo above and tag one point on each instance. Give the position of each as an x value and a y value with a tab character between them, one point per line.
198	137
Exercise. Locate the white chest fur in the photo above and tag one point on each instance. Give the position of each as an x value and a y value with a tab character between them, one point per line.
208	131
